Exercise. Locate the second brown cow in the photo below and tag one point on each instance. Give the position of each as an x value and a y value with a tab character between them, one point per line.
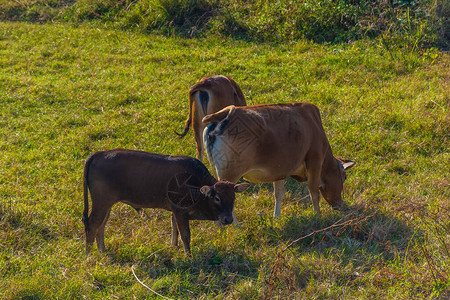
209	95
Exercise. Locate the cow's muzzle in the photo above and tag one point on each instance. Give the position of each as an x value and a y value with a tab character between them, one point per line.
226	220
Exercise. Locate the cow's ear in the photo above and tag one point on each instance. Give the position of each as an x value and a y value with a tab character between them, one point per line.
206	190
239	188
347	164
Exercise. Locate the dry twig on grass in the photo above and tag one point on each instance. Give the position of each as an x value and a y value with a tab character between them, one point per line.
142	283
349	220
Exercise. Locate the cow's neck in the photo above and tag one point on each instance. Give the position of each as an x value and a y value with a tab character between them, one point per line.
209	180
329	162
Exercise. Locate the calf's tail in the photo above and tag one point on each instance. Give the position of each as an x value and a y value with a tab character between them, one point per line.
85	218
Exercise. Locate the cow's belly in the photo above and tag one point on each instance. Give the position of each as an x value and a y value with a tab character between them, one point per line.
262	176
146	200
265	175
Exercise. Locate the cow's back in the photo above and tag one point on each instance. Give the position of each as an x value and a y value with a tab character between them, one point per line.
141	178
289	134
223	91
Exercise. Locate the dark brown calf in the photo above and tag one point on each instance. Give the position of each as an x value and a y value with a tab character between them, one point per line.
180	184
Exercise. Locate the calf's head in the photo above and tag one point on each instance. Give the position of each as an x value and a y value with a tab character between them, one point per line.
221	197
332	181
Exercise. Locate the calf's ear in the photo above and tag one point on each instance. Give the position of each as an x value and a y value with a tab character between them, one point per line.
206	190
239	188
347	164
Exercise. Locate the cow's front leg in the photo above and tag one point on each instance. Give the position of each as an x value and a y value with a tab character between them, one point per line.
315	197
278	190
183	228
174	238
313	170
313	186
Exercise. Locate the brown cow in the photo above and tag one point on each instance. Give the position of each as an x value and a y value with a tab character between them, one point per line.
180	184
209	95
268	143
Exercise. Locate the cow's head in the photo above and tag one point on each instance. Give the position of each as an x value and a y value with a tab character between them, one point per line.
221	196
332	181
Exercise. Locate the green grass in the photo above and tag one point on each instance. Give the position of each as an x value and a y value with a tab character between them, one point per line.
421	23
66	92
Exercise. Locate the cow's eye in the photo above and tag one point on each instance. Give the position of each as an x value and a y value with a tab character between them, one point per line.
217	199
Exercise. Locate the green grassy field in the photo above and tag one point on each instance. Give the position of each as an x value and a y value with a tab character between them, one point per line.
66	92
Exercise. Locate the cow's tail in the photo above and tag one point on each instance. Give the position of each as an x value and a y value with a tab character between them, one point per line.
221	116
85	218
218	121
189	119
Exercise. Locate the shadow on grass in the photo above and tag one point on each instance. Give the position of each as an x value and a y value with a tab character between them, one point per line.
352	229
298	191
208	272
25	230
343	247
337	245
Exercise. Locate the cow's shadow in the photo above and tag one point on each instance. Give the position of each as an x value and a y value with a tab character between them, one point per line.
208	271
293	187
368	236
295	191
359	234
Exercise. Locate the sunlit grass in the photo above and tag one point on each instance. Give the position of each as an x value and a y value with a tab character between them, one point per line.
66	92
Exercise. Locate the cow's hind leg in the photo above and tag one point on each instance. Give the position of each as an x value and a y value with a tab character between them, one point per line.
100	237
96	219
198	127
278	190
199	142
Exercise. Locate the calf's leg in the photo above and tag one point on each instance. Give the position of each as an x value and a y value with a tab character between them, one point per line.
278	190
183	227
174	239
100	237
96	220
